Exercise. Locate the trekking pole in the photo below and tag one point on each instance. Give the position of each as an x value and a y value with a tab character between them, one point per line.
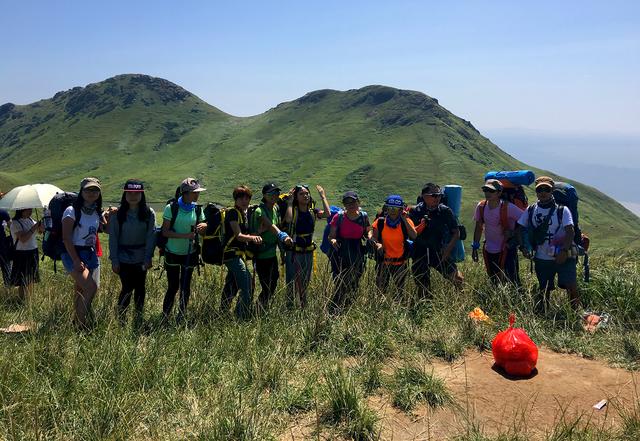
587	269
185	266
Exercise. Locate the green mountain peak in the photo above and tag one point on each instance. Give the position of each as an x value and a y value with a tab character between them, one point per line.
377	140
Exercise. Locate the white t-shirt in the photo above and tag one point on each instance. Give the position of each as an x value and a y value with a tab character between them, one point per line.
555	232
24	225
84	234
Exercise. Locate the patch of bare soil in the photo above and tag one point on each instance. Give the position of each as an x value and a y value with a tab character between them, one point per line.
565	386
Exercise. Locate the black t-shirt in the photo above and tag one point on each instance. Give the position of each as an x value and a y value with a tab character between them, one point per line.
234	215
441	223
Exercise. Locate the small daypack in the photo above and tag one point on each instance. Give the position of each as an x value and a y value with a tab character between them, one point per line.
52	245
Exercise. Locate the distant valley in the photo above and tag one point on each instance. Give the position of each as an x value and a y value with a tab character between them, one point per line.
610	163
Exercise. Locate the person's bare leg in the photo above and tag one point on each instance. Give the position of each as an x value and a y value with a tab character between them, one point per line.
85	291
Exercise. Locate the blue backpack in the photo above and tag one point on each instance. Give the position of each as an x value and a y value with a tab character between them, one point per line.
325	246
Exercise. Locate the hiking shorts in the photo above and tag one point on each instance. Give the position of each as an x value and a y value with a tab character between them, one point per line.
87	256
546	271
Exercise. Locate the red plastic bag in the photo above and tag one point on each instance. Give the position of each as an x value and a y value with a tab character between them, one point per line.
514	351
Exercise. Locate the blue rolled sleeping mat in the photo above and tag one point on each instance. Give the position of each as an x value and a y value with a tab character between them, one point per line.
454	201
516	177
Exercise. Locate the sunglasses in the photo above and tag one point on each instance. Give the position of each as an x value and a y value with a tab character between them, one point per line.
488	190
433	195
543	189
301	186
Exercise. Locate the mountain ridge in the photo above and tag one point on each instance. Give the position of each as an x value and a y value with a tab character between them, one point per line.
376	139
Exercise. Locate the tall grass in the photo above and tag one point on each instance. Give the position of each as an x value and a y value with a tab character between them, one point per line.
218	378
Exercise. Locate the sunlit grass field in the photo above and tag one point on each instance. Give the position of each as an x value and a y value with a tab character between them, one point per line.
223	379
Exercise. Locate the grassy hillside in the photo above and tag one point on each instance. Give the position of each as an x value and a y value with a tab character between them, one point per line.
377	140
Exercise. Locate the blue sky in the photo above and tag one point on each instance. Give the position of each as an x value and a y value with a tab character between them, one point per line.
552	66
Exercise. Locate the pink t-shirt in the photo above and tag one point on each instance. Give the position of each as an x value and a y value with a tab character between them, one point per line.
494	237
348	228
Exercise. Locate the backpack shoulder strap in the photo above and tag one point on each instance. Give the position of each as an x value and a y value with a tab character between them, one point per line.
483	205
380	227
339	223
504	214
174	214
530	212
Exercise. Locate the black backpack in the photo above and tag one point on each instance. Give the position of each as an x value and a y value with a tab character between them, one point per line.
52	245
444	201
214	243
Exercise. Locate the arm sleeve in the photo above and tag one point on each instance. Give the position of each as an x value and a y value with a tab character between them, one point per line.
166	214
69	212
524	218
232	215
201	218
150	242
452	222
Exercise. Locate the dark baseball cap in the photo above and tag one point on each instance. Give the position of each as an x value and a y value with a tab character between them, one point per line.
270	188
134	185
350	195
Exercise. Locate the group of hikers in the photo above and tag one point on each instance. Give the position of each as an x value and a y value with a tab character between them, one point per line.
402	239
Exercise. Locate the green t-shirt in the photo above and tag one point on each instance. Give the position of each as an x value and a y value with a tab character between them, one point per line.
184	221
269	240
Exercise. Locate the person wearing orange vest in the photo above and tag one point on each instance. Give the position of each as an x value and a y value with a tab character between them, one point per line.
390	233
497	218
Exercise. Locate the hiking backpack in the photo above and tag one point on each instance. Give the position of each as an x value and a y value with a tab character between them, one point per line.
567	195
52	245
444	201
213	243
325	245
513	183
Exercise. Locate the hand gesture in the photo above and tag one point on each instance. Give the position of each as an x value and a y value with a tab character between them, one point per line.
335	244
256	239
288	242
321	191
474	255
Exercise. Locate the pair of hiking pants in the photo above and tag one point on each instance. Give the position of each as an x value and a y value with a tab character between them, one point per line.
298	269
268	274
238	281
133	277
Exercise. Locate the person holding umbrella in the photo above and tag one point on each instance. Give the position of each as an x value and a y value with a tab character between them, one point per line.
24	270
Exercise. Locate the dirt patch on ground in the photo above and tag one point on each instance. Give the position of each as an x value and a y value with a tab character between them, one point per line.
566	386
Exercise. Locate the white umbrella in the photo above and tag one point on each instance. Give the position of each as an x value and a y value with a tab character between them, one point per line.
29	196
